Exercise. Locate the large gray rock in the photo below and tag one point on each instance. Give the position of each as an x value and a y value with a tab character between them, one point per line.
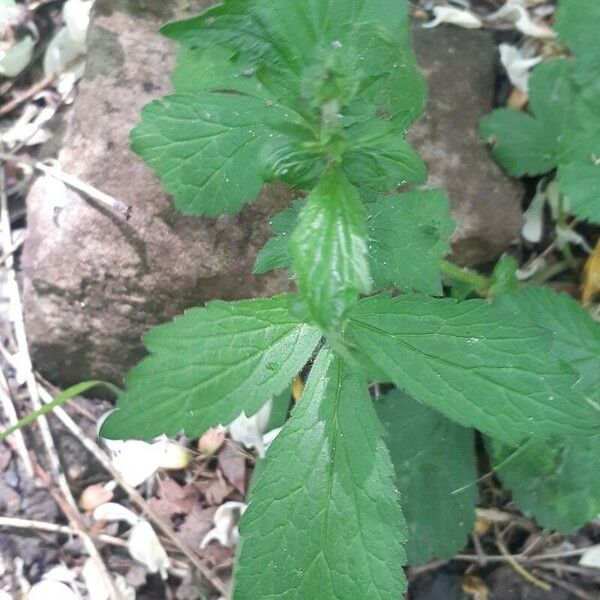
459	65
93	282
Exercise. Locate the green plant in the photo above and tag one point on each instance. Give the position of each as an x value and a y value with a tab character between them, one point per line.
562	132
319	94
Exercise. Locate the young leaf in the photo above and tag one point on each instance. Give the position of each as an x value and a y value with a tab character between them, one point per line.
554	481
476	363
324	519
275	254
527	145
210	364
439	459
408	237
271	91
329	248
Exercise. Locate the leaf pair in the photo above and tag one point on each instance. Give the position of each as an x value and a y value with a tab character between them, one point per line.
268	91
563	131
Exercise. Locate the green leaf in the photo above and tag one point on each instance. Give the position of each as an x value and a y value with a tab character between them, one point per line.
384	165
527	145
476	363
276	254
210	364
324	519
578	24
408	237
579	169
504	277
206	148
273	91
554	481
576	334
432	458
329	248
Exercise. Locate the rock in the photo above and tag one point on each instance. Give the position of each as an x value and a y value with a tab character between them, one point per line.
94	282
459	65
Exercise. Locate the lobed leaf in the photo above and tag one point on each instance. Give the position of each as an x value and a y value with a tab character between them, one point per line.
433	457
324	519
528	145
478	364
209	365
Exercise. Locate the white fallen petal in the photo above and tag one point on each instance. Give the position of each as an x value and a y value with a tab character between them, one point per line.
61	52
453	16
526	25
534	218
48	589
171	455
16	57
112	511
76	14
146	548
517	65
225	530
514	12
94	582
591	558
60	573
5	595
249	430
135	460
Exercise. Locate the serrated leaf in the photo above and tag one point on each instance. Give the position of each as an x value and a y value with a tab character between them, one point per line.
196	144
476	363
576	334
276	254
329	249
255	82
384	165
554	481
438	460
528	145
210	364
324	519
408	236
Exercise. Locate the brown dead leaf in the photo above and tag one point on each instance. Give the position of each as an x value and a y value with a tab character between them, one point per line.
475	587
591	276
482	526
233	465
173	499
297	388
196	525
218	490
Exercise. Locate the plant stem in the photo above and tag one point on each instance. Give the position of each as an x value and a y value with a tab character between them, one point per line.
478	282
563	245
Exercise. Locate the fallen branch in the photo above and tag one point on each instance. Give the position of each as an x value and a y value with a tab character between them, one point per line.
73	182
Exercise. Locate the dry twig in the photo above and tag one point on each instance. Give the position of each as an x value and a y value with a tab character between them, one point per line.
88	190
